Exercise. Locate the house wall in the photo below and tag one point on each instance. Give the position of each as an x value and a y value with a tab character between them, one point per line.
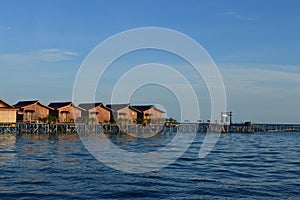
130	114
8	116
39	112
73	114
102	116
154	114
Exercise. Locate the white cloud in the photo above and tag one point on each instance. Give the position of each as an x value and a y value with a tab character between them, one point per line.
265	83
36	57
261	72
263	93
238	16
52	55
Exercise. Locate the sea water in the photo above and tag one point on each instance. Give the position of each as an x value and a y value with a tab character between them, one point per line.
241	166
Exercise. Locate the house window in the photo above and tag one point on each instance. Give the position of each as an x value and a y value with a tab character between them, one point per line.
122	115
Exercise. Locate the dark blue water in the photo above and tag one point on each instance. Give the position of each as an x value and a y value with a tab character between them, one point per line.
241	166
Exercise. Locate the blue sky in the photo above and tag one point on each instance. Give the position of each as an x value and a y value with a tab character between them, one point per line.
255	44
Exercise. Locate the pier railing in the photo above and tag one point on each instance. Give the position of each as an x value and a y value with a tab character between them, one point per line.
27	128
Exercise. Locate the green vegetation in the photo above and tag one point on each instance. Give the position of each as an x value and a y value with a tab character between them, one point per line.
92	120
171	120
139	121
143	121
50	119
158	121
123	120
82	120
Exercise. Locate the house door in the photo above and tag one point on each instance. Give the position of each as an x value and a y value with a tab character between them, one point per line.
28	115
64	116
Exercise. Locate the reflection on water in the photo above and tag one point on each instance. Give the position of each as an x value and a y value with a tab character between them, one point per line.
241	166
7	148
129	141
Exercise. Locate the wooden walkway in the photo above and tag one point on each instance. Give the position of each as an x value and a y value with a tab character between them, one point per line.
21	128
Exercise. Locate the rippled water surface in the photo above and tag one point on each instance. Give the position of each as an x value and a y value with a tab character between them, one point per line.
241	166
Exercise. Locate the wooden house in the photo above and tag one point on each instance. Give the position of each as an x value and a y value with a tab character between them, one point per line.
149	112
123	112
31	111
8	113
66	112
96	110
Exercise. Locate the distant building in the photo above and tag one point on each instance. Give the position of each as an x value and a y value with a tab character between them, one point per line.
31	111
149	111
65	111
8	113
123	112
96	110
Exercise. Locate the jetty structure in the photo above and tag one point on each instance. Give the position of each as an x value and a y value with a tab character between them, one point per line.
26	117
71	128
